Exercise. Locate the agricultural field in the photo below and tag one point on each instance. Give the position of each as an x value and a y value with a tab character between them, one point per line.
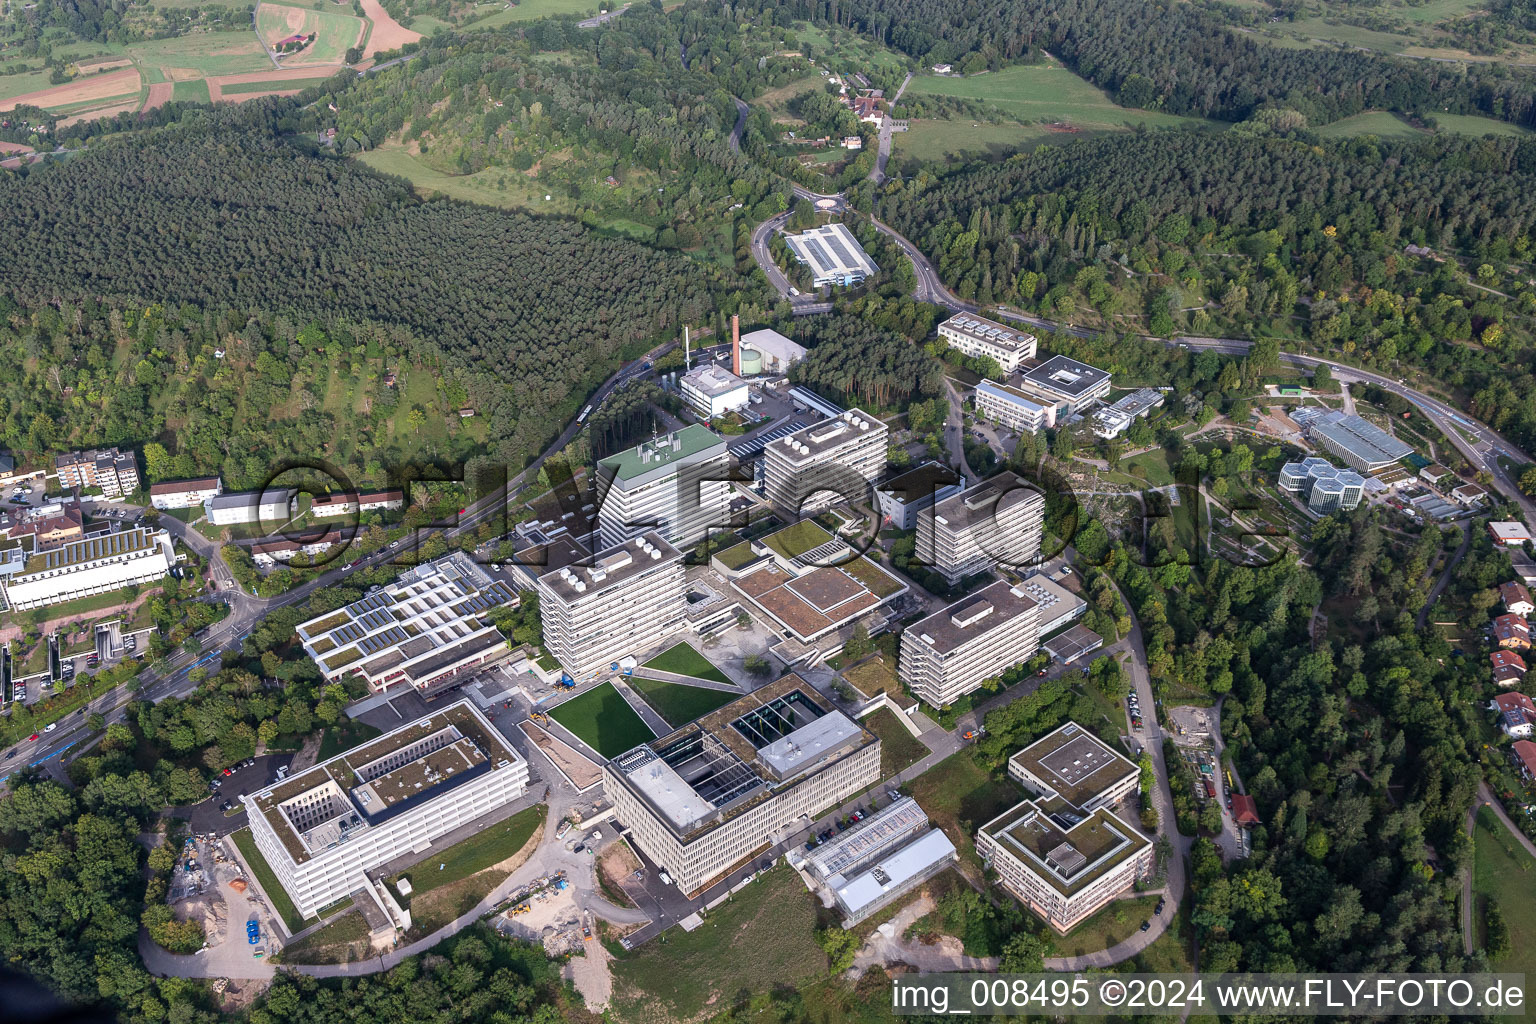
334	32
192	91
1387	125
21	84
603	720
387	33
1412	30
84	93
203	54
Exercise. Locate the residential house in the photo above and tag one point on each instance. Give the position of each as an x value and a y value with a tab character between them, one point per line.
1523	754
1508	667
1512	632
1517	599
1470	494
1516	714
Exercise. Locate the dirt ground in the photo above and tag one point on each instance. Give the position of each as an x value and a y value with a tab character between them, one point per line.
91	87
554	920
159	95
387	34
580	770
617	863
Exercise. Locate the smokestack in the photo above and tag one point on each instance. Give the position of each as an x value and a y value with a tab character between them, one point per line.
736	344
687	352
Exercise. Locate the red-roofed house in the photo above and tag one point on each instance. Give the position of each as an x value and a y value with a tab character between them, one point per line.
1512	632
1244	810
1516	714
1524	755
1508	667
1517	599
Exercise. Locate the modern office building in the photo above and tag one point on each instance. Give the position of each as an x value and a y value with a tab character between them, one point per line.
708	796
184	493
1058	605
631	597
832	253
323	830
1322	485
1114	420
956	649
677	484
712	391
1064	853
1009	407
114	472
826	463
273	507
1066	383
902	497
1365	446
998	522
975	336
89	566
424	630
877	860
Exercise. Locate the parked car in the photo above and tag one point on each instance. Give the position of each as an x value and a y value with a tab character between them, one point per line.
1160	904
579	848
1145	925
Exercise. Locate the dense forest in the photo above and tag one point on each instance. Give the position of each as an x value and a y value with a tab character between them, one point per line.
1178	57
528	313
1381	252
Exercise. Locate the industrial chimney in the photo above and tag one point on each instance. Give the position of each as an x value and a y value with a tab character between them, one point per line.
736	344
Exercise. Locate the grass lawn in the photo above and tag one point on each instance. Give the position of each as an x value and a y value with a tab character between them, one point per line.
736	556
759	940
532	10
603	720
797	539
21	84
1468	124
1115	923
960	796
875	676
1048	91
473	855
339	942
287	83
1505	874
212	53
683	660
898	748
1380	123
195	91
677	703
274	892
345	736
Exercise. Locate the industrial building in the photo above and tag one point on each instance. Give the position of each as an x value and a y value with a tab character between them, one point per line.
902	497
975	336
1114	420
827	463
324	830
677	484
1322	485
877	860
1009	407
274	506
956	649
998	522
768	352
1507	533
184	493
114	472
1066	383
631	597
91	565
832	253
712	391
1063	853
708	796
423	630
1365	446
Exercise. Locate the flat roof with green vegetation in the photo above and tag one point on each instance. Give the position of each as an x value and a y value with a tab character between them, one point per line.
875	677
603	720
678	703
762	938
797	538
1074	762
880	583
684	660
737	555
276	895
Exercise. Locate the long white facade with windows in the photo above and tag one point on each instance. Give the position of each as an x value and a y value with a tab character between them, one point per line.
324	829
630	597
998	522
676	484
94	565
956	649
974	336
826	463
1009	407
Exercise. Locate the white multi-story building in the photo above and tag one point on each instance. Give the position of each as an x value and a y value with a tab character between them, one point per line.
424	630
184	493
677	484
713	391
323	830
956	649
1064	853
631	597
1114	420
1325	487
89	566
902	498
974	336
115	472
274	506
826	463
710	795
1066	383
1009	407
998	522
